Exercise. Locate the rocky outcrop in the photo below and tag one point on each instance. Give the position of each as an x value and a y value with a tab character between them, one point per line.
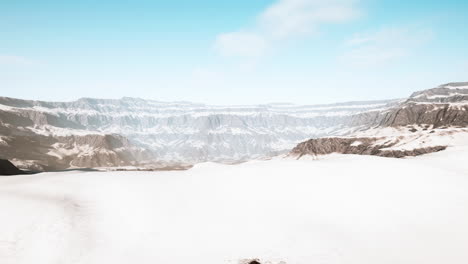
437	115
8	169
445	93
361	146
32	151
446	105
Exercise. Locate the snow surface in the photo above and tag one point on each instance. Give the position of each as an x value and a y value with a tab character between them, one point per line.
414	137
456	87
338	209
2	141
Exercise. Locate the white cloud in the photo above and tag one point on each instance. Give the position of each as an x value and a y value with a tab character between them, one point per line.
10	60
383	46
241	44
284	19
291	17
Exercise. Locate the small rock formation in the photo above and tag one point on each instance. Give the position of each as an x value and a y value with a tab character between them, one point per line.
249	261
260	261
8	169
361	146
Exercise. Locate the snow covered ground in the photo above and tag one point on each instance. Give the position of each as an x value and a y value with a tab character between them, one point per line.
338	209
413	137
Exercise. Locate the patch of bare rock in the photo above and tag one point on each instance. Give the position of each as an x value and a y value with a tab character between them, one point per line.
361	146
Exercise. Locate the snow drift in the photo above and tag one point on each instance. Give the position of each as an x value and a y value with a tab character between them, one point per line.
339	209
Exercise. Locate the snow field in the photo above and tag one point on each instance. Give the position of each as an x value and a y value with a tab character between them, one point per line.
338	209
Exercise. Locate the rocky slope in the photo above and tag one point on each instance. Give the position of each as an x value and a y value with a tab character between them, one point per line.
377	146
428	121
446	105
39	152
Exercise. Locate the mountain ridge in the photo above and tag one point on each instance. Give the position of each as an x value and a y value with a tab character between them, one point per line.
73	134
428	121
174	132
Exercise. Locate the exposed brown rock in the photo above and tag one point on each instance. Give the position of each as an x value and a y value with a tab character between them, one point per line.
437	115
362	146
105	150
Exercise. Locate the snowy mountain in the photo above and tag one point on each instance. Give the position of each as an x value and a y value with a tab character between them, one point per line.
152	134
446	105
131	132
428	121
446	93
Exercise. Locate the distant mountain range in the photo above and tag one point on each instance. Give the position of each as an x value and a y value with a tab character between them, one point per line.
132	132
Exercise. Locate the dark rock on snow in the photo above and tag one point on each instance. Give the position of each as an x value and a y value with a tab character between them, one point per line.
8	169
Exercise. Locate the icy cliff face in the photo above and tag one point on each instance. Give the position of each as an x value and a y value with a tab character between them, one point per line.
175	132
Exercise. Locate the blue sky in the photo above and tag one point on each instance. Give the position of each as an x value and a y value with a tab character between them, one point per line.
230	52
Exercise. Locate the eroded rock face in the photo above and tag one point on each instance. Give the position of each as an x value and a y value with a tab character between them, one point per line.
437	115
446	105
32	151
321	146
361	146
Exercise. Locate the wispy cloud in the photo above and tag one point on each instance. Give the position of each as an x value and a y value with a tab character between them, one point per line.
383	46
243	44
292	17
284	19
12	60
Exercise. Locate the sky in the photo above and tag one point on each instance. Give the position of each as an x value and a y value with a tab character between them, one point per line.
230	52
